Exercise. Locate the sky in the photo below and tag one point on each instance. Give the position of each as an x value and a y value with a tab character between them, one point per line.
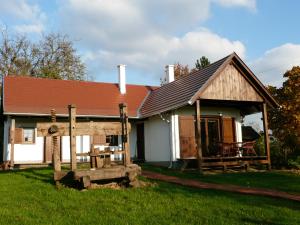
147	35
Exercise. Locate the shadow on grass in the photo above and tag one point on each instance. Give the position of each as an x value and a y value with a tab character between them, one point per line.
44	175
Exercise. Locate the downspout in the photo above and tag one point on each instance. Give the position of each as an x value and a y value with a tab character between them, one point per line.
170	138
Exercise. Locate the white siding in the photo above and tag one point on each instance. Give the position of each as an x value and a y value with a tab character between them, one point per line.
132	141
157	140
161	136
82	146
23	153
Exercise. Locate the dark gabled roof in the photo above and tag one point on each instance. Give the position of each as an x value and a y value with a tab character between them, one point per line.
186	90
179	92
25	95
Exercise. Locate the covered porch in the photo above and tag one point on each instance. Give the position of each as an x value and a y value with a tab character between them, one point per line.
216	140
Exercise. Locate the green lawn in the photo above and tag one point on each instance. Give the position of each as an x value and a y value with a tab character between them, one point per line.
278	180
29	197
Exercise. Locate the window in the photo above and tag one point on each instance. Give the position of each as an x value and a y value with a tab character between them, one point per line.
112	140
28	135
210	134
24	135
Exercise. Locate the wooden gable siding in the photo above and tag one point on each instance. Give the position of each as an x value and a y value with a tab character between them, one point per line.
230	84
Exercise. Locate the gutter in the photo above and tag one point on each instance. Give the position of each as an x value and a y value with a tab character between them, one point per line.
64	115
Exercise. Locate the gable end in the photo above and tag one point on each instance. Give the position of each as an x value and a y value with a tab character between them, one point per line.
230	84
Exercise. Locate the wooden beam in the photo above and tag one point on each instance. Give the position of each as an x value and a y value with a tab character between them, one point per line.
12	142
56	155
127	146
198	134
72	128
82	128
266	133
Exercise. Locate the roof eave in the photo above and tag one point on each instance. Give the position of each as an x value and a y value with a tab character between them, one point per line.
63	115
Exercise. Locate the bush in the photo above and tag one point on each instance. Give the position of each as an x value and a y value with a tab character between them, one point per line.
294	164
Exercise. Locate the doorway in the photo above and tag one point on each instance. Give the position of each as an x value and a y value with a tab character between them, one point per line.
140	142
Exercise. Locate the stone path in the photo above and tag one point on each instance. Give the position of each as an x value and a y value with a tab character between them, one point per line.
221	187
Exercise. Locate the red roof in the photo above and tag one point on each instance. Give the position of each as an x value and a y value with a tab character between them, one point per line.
31	96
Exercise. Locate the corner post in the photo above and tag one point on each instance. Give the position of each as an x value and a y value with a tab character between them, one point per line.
198	135
12	142
72	127
125	136
56	155
266	133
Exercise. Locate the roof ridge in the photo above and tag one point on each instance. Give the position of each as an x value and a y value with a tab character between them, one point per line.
193	72
83	81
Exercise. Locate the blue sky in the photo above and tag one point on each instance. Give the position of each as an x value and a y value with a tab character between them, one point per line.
147	35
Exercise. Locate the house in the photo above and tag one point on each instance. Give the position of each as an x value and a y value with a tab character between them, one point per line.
195	117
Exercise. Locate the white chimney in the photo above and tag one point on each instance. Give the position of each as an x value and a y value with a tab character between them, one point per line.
122	79
169	73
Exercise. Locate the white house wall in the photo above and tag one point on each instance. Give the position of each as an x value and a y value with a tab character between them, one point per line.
34	153
82	146
157	140
132	141
162	138
23	153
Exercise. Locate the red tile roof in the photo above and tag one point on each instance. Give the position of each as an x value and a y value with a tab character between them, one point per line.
28	95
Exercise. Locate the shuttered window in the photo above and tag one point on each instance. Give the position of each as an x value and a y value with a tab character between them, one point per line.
187	137
228	129
24	135
18	136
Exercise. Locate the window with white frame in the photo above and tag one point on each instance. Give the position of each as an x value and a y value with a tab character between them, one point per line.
28	135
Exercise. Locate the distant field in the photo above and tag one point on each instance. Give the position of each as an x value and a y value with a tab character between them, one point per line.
30	197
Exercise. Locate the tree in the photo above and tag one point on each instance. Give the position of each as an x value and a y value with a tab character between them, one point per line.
285	121
180	70
53	57
202	63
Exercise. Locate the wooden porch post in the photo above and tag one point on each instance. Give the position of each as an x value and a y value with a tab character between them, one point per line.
56	156
72	127
198	135
127	150
12	142
266	133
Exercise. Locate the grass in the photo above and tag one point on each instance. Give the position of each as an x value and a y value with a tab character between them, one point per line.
30	197
277	180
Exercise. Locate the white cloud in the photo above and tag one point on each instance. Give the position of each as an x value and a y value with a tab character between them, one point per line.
159	51
275	62
250	4
27	17
145	35
29	28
